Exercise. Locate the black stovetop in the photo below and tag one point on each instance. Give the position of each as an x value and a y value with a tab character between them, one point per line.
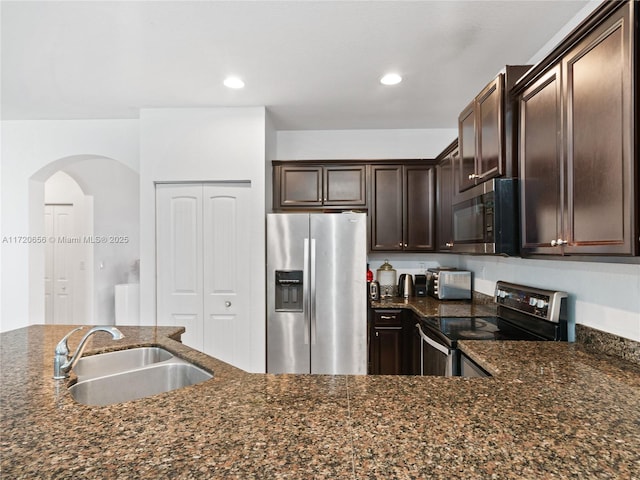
453	329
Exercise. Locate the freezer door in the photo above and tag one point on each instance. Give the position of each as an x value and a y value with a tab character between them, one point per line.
338	287
288	342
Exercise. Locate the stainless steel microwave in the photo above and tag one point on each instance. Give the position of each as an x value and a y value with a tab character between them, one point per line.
486	220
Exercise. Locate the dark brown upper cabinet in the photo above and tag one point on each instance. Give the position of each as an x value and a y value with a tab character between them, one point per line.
541	185
402	213
319	186
486	130
446	186
577	158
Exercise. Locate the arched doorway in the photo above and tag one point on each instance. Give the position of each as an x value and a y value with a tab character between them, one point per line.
111	193
68	223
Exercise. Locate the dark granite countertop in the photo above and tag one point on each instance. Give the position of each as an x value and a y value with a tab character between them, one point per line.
551	410
480	306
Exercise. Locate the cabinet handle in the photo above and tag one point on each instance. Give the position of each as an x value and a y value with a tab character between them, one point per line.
473	176
405	245
448	244
400	244
559	242
377	334
387	317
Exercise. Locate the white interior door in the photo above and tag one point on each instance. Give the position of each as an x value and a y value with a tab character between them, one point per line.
59	264
179	259
227	271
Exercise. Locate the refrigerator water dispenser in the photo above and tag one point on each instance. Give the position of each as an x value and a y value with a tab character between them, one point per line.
289	291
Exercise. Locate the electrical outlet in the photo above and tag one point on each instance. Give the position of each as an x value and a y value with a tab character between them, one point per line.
422	266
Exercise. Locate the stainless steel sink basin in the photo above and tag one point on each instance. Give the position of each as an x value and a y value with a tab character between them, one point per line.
120	361
138	383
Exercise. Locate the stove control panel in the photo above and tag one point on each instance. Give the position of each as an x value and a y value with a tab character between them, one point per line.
545	304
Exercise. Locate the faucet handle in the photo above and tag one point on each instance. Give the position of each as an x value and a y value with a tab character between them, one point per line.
63	348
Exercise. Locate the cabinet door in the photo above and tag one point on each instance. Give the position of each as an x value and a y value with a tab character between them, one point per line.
599	140
386	207
541	185
300	186
345	186
386	343
467	145
388	351
419	208
489	118
444	200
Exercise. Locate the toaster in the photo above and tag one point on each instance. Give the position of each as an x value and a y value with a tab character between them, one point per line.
449	284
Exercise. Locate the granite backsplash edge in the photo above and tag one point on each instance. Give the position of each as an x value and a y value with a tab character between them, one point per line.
608	343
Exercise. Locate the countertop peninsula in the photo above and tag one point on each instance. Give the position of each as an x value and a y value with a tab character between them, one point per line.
551	410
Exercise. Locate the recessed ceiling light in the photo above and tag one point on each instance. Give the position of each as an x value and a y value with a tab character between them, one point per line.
391	79
233	82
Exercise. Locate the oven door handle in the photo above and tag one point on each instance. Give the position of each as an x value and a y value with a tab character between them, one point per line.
433	343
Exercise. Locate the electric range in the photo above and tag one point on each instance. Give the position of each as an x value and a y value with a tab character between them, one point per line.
523	313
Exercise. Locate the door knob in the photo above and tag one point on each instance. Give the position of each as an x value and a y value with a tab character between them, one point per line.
227	304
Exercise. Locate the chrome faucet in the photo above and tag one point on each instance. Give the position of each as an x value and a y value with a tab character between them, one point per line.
61	362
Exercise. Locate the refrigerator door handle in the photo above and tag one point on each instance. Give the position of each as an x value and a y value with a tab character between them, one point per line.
305	292
312	268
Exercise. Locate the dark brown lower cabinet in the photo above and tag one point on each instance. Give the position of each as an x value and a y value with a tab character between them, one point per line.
390	342
386	342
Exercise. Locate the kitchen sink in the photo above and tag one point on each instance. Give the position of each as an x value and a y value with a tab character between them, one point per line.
136	383
119	361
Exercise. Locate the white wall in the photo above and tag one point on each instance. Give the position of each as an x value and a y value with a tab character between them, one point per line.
216	144
363	144
605	296
31	152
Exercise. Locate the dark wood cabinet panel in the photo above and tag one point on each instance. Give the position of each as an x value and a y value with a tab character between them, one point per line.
386	342
386	207
403	207
486	128
445	190
598	137
319	186
391	349
388	348
300	186
419	208
467	130
490	137
540	170
345	185
578	178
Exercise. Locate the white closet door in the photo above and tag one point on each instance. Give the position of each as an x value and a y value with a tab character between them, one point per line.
179	259
59	264
227	272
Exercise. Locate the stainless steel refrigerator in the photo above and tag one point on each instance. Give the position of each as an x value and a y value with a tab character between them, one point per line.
316	293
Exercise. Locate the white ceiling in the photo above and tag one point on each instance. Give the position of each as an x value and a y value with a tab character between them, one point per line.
314	64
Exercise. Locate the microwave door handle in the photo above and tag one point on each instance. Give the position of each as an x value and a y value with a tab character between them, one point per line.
434	344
